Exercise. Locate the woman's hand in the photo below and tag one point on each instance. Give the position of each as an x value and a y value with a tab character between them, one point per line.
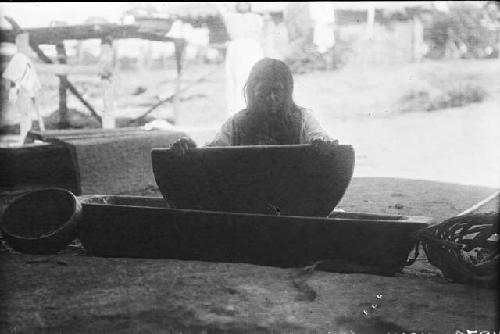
322	145
182	146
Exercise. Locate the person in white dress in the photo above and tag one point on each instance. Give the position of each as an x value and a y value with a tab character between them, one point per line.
323	16
243	50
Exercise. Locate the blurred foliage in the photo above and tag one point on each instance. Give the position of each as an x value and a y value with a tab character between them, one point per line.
387	17
304	57
459	33
456	95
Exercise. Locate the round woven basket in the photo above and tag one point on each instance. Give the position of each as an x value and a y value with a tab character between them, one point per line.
42	221
465	248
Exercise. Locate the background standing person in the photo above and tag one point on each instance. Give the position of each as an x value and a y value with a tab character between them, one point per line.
276	37
24	86
323	15
243	51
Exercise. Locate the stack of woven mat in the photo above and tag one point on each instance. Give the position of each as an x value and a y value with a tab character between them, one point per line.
111	161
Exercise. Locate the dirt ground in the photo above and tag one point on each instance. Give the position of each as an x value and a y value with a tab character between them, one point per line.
74	293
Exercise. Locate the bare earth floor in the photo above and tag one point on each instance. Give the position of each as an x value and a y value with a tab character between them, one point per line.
74	293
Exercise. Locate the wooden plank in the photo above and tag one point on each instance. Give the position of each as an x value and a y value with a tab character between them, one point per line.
106	72
296	179
60	69
70	134
179	52
54	35
121	226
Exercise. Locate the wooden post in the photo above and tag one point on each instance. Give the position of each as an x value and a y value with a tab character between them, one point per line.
179	50
149	55
63	107
106	71
80	52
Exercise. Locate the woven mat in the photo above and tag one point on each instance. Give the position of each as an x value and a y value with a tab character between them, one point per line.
116	161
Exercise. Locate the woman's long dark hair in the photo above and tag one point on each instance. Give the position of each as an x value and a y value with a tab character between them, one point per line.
268	69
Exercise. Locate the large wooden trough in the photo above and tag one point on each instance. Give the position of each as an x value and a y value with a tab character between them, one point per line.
142	227
265	205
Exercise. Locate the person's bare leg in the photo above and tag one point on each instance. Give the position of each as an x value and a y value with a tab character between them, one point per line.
38	115
23	106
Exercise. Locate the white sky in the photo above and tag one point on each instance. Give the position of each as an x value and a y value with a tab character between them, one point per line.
40	14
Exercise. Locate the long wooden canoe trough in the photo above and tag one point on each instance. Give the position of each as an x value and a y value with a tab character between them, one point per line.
121	226
265	205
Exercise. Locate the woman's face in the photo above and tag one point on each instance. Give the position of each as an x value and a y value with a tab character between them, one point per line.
270	96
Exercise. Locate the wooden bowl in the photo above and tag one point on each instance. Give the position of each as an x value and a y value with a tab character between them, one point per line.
291	180
42	221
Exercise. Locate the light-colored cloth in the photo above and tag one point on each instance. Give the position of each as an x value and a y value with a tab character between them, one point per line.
243	51
310	130
21	72
26	85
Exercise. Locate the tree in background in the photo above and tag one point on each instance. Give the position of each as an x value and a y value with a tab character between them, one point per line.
303	54
461	32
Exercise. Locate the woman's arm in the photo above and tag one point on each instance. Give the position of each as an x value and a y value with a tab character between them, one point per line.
225	135
312	130
222	138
